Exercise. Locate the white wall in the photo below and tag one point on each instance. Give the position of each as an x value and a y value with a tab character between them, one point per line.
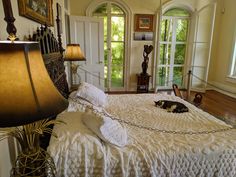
222	45
222	40
24	28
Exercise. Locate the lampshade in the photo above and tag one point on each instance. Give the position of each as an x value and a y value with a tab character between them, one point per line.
74	53
27	93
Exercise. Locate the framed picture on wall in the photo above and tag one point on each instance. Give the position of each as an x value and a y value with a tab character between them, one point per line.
37	10
144	22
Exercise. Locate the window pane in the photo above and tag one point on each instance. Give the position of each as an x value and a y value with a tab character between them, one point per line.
233	67
177	12
163	76
117	29
105	28
102	9
117	53
117	76
105	63
105	53
106	76
179	53
181	30
178	76
165	50
117	64
116	10
166	30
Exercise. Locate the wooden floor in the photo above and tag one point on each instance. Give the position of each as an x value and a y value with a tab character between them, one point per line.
218	104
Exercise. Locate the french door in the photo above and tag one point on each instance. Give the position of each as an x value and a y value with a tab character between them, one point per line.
172	51
114	45
173	45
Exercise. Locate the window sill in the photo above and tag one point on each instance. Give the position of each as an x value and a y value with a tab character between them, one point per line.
231	79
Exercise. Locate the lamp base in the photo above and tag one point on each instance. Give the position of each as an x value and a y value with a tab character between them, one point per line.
35	163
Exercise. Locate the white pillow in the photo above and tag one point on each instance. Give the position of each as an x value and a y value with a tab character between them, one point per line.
92	94
105	128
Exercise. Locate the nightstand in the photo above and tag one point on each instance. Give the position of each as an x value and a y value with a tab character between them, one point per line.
143	83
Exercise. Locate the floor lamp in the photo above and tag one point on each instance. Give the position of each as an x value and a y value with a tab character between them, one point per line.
73	53
27	99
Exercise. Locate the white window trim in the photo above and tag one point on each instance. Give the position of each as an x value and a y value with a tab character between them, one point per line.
163	8
232	67
92	6
173	43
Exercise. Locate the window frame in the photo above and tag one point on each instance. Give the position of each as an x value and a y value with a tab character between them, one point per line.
128	33
232	68
109	15
173	44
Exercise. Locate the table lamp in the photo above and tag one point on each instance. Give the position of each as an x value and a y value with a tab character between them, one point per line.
27	98
74	53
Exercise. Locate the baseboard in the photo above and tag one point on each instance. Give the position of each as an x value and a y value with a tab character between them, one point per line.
225	89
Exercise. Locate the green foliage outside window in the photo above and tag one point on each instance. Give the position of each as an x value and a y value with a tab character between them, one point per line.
117	64
166	30
117	44
177	12
181	32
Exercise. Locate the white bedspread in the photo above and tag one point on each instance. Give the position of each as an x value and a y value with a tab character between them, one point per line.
78	152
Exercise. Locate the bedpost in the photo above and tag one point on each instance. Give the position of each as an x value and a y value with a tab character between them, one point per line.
59	28
188	84
9	18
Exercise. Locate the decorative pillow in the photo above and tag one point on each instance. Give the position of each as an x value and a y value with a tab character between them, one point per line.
105	128
91	94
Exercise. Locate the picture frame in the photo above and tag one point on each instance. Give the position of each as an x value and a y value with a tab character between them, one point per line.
37	10
144	22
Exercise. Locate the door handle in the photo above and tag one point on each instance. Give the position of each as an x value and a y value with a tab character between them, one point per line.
100	62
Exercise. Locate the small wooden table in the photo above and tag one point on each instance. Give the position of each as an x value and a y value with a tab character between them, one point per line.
143	83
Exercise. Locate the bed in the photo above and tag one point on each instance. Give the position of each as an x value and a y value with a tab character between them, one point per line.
159	143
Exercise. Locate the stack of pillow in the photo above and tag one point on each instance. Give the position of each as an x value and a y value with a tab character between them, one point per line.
99	122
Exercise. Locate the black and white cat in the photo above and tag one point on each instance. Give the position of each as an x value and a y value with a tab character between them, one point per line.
172	106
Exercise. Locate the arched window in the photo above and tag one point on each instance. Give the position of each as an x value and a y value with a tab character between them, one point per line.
114	44
173	45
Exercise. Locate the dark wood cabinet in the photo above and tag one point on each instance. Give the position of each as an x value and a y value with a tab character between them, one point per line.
143	83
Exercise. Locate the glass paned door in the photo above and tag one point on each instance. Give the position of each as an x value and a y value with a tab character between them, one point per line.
114	44
173	43
117	51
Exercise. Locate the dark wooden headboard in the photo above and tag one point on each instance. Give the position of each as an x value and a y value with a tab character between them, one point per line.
54	62
53	58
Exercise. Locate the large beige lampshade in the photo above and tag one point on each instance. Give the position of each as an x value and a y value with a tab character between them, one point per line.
74	53
27	93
